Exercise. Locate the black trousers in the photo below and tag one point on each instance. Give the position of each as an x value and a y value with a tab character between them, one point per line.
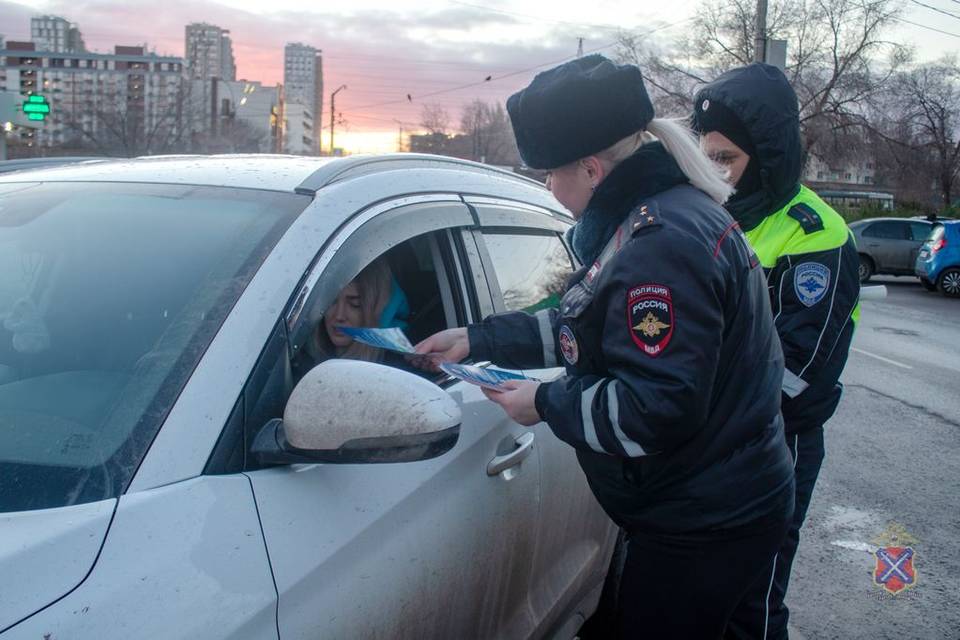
762	613
686	586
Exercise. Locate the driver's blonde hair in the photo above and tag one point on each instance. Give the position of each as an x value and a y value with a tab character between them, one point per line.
374	286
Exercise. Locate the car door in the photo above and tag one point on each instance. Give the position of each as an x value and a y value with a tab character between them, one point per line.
528	265
442	548
889	243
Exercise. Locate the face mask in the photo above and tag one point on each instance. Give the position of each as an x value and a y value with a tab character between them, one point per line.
749	183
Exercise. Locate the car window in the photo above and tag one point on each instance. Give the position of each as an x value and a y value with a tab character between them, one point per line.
888	229
109	295
426	299
920	231
532	270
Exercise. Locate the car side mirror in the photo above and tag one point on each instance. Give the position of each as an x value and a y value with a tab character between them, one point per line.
349	411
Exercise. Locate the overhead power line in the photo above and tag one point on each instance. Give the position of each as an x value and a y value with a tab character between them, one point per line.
409	98
937	9
923	26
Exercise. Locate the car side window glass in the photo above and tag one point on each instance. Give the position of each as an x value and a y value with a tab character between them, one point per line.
887	230
399	289
417	297
920	230
532	270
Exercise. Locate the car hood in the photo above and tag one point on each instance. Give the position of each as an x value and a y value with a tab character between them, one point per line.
45	554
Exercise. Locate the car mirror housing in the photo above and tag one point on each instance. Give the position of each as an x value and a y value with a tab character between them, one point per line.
350	412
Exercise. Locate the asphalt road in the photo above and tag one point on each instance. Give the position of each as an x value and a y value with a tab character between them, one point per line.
893	460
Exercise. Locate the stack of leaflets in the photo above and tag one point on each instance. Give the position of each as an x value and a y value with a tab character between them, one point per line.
394	339
482	377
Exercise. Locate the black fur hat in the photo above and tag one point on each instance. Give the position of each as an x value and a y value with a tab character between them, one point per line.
578	109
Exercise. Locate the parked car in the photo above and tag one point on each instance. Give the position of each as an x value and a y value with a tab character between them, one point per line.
162	473
938	264
889	245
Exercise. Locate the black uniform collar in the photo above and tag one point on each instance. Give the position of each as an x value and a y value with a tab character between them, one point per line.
647	172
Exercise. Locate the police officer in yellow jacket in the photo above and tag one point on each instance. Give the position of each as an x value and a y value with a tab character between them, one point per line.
748	121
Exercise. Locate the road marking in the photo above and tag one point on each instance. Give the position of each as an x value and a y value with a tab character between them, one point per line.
855	545
887	360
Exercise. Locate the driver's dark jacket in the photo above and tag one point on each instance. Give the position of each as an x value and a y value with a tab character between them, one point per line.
677	428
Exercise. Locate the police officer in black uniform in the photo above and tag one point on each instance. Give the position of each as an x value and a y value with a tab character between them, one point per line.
671	396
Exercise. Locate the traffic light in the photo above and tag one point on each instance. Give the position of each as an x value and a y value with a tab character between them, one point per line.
36	107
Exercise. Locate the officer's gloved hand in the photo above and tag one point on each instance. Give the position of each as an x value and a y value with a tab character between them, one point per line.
451	345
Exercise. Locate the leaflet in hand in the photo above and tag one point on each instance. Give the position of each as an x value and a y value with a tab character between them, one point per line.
392	339
489	378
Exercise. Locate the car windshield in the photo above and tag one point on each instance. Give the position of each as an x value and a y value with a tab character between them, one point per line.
109	296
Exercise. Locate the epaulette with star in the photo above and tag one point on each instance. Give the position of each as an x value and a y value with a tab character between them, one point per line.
645	216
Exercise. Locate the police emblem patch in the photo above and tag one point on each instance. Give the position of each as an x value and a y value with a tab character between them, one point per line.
811	281
650	317
895	571
568	345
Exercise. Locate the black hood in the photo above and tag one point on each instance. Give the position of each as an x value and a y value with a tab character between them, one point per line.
762	98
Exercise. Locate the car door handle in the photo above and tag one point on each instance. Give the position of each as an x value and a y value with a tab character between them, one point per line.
524	448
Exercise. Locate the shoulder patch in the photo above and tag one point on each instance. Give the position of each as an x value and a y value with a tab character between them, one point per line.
645	216
650	318
811	281
809	219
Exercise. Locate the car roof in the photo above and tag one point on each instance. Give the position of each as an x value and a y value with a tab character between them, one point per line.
23	164
891	219
257	171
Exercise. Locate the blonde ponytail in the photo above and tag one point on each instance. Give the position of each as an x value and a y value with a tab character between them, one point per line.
681	143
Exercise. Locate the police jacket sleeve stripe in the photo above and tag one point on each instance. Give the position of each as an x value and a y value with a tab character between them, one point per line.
545	322
514	340
631	448
586	414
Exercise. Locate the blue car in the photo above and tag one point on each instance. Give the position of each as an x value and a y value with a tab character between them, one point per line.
938	263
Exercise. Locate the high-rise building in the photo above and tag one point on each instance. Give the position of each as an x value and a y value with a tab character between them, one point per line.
303	86
126	102
56	34
243	116
209	52
299	130
228	65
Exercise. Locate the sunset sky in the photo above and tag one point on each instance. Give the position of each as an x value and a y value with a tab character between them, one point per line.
386	50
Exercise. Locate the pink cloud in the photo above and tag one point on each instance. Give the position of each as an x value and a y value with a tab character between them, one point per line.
371	53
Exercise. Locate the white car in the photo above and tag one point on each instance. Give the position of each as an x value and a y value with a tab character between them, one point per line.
164	475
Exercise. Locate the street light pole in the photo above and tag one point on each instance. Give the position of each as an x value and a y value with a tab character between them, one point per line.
399	136
760	43
333	113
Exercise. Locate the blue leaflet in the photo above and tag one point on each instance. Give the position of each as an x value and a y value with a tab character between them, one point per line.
392	339
489	378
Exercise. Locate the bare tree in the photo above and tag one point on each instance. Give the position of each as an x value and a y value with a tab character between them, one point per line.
117	124
488	129
838	60
435	119
919	124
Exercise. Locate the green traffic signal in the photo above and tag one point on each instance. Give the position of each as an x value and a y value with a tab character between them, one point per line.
36	107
